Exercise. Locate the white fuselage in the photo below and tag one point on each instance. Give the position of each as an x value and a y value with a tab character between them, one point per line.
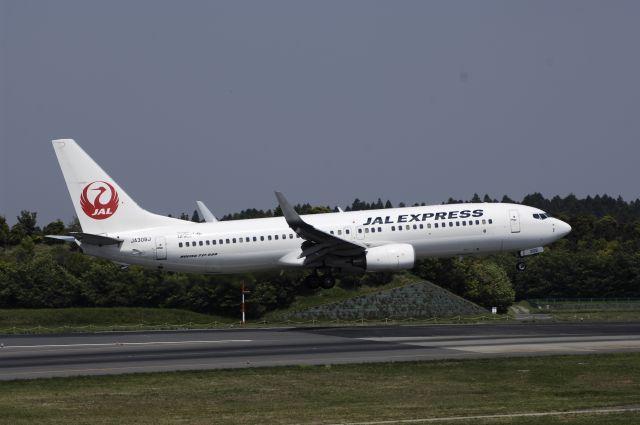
269	243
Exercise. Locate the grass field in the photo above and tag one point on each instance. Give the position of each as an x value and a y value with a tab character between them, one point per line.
99	319
339	394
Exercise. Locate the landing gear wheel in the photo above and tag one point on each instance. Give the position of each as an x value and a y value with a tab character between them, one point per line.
521	266
312	281
327	281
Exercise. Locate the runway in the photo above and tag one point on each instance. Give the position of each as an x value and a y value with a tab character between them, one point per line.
29	356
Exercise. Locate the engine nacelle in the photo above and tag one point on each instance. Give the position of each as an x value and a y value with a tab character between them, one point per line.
393	257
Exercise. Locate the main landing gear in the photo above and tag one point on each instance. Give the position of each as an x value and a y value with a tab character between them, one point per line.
315	280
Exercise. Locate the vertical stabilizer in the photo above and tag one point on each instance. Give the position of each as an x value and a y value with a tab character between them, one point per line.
100	203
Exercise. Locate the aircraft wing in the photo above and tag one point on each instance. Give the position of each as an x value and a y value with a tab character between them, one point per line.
319	247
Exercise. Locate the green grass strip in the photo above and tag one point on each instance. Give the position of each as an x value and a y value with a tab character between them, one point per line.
339	394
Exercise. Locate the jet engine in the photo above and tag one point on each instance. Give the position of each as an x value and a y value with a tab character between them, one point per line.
392	257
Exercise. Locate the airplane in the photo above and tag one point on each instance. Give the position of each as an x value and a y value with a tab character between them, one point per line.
116	228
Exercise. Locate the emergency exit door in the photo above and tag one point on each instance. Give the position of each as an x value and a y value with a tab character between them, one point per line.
514	219
161	249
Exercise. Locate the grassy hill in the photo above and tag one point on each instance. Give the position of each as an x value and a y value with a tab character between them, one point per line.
406	296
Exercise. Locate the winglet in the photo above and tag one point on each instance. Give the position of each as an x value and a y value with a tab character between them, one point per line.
290	215
205	213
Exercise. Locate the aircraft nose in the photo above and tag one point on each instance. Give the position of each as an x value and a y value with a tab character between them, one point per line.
563	228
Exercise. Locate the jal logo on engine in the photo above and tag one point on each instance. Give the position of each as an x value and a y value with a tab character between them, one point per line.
99	200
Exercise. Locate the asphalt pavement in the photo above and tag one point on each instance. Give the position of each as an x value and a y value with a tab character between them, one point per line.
35	356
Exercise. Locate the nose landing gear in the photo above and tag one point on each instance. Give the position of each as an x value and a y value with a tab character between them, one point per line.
521	265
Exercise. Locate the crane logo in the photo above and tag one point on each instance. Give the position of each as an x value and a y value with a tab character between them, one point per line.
99	200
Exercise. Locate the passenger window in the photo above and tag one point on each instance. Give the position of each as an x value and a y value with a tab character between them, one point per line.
262	238
276	236
255	239
490	221
484	221
366	230
393	228
269	237
240	240
421	226
359	230
399	228
220	241
331	231
347	231
457	223
228	241
180	244
373	230
477	222
213	242
435	225
379	229
428	225
234	240
339	232
290	235
451	224
408	227
208	243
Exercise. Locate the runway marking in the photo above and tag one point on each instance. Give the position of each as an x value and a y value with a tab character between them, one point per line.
520	344
548	347
120	344
512	339
506	415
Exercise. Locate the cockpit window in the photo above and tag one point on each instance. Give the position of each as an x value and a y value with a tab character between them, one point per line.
542	216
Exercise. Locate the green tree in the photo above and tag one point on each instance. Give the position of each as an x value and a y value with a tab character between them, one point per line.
488	285
26	226
25	252
54	228
4	231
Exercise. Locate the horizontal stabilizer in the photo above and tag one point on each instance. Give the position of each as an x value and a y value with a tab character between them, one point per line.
92	239
65	238
87	238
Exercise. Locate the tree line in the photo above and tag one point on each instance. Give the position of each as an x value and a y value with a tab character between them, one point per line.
599	258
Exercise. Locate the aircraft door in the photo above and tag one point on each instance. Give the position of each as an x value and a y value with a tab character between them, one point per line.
514	220
347	233
359	232
161	248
